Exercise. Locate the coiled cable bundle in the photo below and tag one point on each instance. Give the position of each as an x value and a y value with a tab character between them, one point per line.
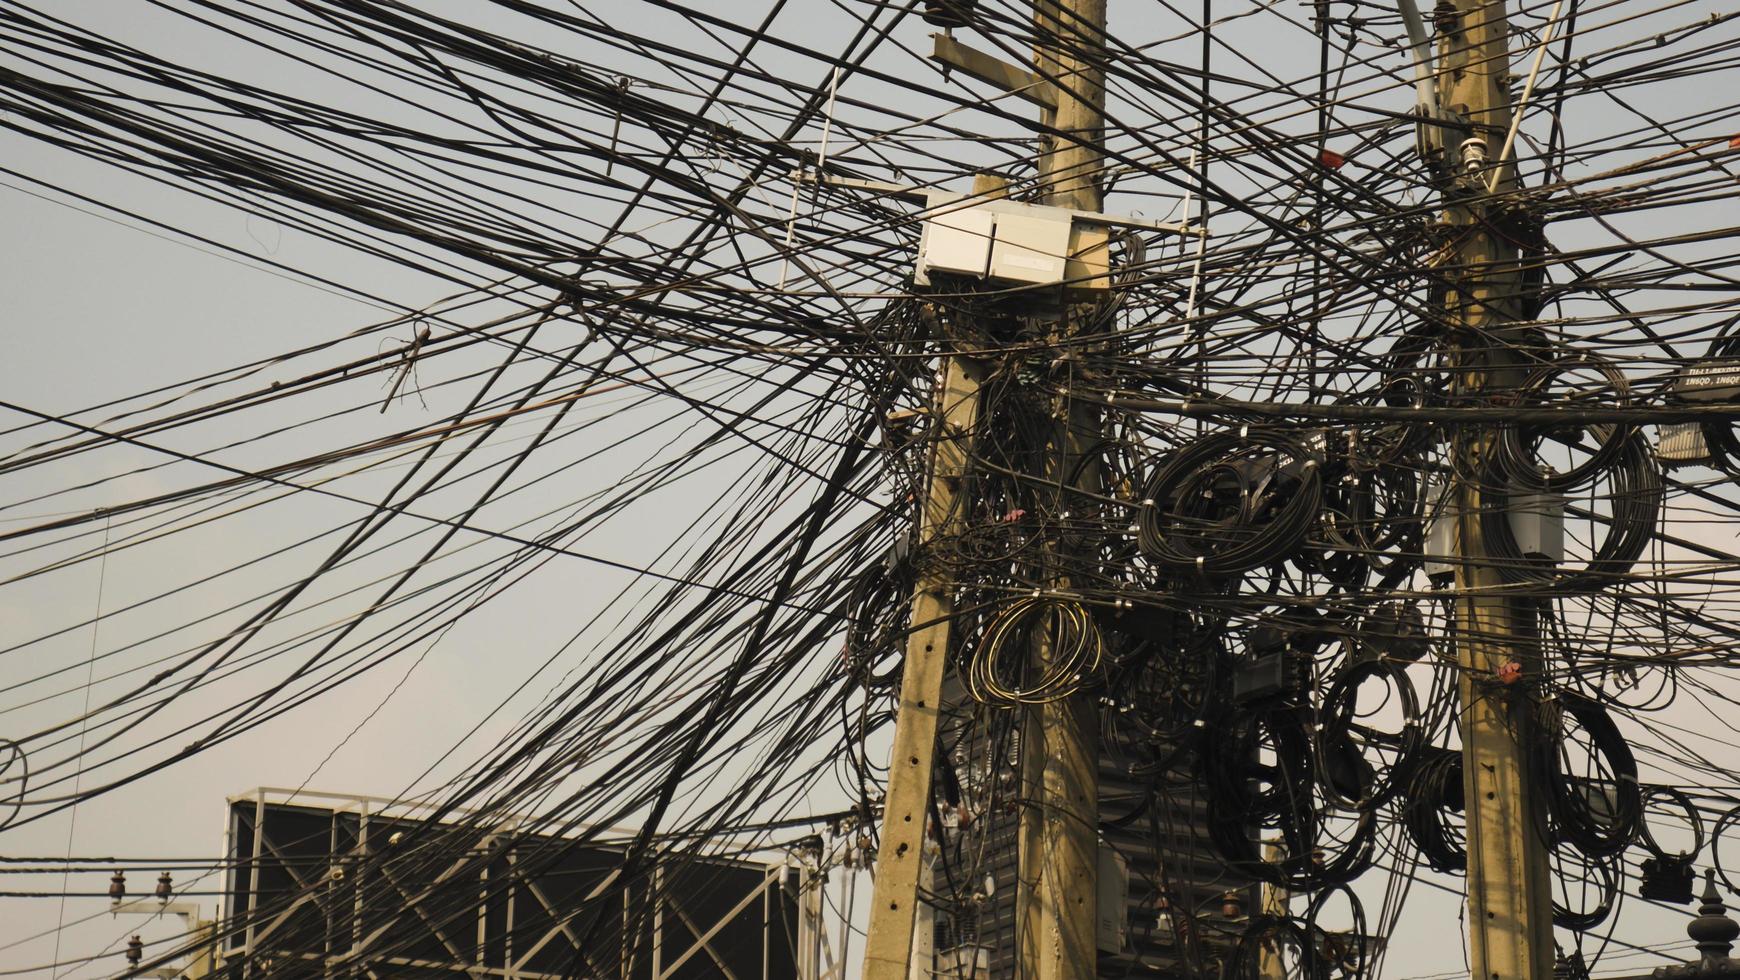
1694	822
879	607
1515	454
1166	682
1230	502
1386	516
1348	952
1601	880
1280	935
1341	734
1635	497
1000	663
1727	820
1434	791
1245	794
1599	815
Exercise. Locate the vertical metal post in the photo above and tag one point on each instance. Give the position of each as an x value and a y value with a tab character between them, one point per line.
219	932
1057	902
509	925
254	883
657	897
481	956
809	905
1270	965
900	851
331	886
924	928
1510	916
357	882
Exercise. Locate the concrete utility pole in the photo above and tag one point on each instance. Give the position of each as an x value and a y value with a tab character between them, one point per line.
1057	902
900	854
1510	913
1056	905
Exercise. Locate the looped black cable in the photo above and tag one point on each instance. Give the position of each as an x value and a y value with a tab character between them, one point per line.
1723	822
1244	795
1606	874
1333	950
1694	822
1278	932
1351	780
879	606
1600	816
1434	791
1171	689
1230	502
1635	497
1514	454
1386	516
12	785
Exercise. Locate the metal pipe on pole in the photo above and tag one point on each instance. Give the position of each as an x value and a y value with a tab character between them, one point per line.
1510	913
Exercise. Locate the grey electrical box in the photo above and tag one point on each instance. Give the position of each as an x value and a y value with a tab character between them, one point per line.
1537	521
1440	536
1716	380
1114	901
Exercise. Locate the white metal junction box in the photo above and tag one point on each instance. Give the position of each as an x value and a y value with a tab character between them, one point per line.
1012	242
1113	917
1030	246
956	238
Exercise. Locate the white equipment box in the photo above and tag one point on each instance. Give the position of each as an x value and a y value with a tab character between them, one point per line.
1009	241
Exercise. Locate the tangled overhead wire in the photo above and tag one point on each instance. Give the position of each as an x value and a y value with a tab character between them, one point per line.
1230	502
1210	489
